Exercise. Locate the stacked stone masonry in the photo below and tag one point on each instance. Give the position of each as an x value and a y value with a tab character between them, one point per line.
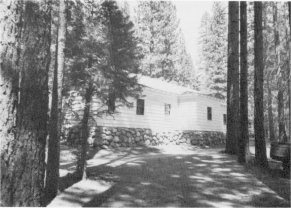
114	137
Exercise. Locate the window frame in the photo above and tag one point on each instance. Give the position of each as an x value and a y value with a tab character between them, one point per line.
209	113
167	109
111	103
140	107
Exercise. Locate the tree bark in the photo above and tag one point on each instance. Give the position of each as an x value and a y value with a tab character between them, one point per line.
9	80
52	174
260	144
52	167
281	114
281	119
232	130
244	129
61	59
272	136
23	153
289	4
270	112
81	163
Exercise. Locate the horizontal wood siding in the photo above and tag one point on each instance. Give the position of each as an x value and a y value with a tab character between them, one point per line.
154	112
196	110
188	112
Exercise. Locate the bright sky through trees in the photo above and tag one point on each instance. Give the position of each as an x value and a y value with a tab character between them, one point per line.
189	12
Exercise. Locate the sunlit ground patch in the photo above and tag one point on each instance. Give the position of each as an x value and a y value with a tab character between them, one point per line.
80	193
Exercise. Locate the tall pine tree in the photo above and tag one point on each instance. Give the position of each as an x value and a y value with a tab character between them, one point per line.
122	56
162	43
103	58
260	144
217	83
232	129
204	54
53	160
289	7
213	50
25	58
244	130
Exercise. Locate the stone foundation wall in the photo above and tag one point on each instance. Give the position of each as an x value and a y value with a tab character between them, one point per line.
104	137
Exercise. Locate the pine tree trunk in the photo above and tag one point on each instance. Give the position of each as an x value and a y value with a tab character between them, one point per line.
244	129
61	59
289	4
10	31
52	167
269	125
260	144
281	119
151	67
52	176
233	79
81	163
23	157
270	112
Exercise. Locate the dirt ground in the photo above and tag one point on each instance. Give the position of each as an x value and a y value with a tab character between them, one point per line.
171	176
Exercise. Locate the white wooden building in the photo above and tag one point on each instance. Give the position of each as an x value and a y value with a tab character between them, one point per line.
165	106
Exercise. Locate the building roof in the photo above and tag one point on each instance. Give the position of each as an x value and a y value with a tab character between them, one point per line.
159	84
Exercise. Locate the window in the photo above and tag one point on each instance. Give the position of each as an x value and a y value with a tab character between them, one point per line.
224	119
111	103
140	107
167	109
209	113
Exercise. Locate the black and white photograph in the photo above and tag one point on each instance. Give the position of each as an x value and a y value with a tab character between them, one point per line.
145	103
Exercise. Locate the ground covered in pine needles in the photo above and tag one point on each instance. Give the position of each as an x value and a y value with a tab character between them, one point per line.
170	176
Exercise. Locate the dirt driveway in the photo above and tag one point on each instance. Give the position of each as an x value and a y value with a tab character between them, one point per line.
167	176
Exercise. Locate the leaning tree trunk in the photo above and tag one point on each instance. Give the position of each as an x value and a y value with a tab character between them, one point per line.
23	150
244	129
233	79
281	115
81	163
52	173
260	144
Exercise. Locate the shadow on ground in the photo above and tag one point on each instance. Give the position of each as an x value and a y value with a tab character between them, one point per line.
99	156
155	177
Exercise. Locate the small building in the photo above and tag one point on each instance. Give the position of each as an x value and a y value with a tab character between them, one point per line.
170	107
164	113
